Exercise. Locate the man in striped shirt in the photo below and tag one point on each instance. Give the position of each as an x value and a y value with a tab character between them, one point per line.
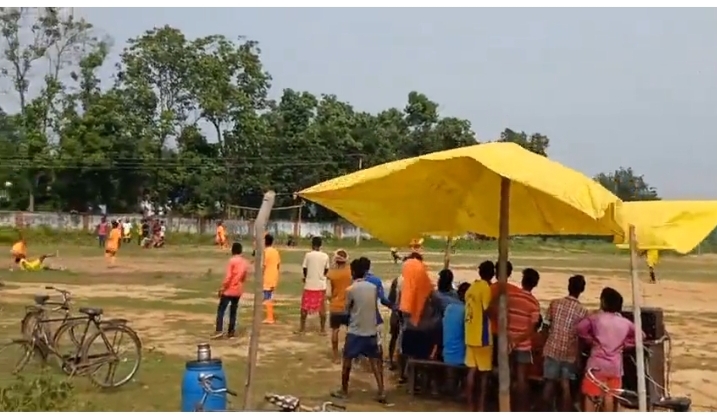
523	319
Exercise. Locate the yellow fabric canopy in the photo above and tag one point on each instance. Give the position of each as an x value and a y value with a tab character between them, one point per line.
456	191
678	225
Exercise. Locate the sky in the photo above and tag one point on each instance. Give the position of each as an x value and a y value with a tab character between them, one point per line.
610	87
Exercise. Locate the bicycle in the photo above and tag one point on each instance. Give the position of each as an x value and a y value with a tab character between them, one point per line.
81	361
285	403
40	311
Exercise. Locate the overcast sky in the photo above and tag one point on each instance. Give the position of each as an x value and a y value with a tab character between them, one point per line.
610	87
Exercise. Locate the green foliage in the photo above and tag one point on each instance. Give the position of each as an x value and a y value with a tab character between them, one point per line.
42	393
186	123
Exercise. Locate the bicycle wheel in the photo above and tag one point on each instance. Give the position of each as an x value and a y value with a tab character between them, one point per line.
29	321
67	345
15	355
103	358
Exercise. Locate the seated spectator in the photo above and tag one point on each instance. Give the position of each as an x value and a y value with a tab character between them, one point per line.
454	344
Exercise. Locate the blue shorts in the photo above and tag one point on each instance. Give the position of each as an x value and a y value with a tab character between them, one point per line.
356	346
556	370
268	295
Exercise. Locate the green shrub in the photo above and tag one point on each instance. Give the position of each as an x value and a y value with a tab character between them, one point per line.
41	393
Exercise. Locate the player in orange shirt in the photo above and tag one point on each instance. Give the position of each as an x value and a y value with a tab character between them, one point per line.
221	236
271	268
112	243
18	250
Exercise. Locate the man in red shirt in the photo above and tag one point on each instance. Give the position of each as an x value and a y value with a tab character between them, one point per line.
231	291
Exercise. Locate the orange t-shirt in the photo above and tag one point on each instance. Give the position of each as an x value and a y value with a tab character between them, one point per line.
19	249
416	288
523	312
272	263
340	280
237	270
221	233
113	240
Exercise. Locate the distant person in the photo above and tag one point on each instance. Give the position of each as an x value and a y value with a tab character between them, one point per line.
361	337
339	280
102	230
37	264
314	267
112	244
608	333
221	236
271	270
231	291
652	257
18	250
146	232
561	347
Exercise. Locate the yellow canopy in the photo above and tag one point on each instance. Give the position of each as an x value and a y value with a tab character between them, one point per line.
456	191
678	225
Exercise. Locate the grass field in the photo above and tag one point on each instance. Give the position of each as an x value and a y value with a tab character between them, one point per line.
169	296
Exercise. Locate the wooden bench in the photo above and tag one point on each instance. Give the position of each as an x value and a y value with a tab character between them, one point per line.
416	367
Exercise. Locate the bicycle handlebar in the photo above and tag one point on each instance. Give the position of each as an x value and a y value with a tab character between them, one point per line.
66	295
205	380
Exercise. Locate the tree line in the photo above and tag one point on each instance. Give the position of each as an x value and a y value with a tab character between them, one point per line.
189	123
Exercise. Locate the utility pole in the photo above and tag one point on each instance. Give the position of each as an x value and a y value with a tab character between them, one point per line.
358	230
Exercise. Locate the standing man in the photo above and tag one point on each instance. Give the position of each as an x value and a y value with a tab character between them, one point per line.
315	267
271	268
102	231
231	291
361	338
523	319
652	257
381	294
112	244
479	341
339	280
561	348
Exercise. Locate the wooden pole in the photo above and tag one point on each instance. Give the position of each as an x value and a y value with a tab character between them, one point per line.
447	254
259	226
503	362
358	230
639	347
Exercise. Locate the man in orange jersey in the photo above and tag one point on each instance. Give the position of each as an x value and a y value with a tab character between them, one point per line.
231	291
271	268
221	236
339	280
18	250
112	243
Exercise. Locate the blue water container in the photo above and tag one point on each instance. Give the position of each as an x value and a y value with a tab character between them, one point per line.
192	391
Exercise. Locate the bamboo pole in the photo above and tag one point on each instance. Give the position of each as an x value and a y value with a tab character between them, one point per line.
639	346
259	226
503	362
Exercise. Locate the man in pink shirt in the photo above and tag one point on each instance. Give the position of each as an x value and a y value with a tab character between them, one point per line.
231	290
608	333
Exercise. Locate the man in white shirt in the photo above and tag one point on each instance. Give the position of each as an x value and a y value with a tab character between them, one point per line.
315	267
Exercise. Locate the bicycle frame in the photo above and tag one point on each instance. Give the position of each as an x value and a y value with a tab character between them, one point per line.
75	359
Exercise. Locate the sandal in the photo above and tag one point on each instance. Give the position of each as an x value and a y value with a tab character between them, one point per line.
339	394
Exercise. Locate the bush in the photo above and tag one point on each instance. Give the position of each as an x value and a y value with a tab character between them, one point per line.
42	393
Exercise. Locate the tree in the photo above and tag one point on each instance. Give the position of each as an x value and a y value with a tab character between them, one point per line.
626	185
536	142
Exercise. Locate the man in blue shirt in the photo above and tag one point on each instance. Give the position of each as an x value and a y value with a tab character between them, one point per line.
454	344
381	294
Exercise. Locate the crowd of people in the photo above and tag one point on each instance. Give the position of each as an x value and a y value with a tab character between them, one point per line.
455	325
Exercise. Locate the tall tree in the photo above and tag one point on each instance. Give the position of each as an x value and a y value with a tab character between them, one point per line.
536	142
626	185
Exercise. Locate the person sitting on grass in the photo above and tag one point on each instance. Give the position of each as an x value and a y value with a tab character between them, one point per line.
231	291
361	337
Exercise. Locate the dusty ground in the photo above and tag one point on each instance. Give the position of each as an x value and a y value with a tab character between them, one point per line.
168	297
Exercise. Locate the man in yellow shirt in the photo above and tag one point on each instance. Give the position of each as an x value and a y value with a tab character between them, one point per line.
339	280
36	264
271	268
479	340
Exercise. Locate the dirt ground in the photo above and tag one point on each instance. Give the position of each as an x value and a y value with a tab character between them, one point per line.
690	309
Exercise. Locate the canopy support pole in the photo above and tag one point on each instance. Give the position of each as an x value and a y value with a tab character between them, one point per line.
503	362
639	347
447	253
259	226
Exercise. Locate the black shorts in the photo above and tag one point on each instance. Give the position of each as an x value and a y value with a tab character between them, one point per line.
416	344
394	324
356	346
337	320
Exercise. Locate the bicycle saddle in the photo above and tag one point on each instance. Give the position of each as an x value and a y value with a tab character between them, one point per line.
91	311
286	403
41	299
